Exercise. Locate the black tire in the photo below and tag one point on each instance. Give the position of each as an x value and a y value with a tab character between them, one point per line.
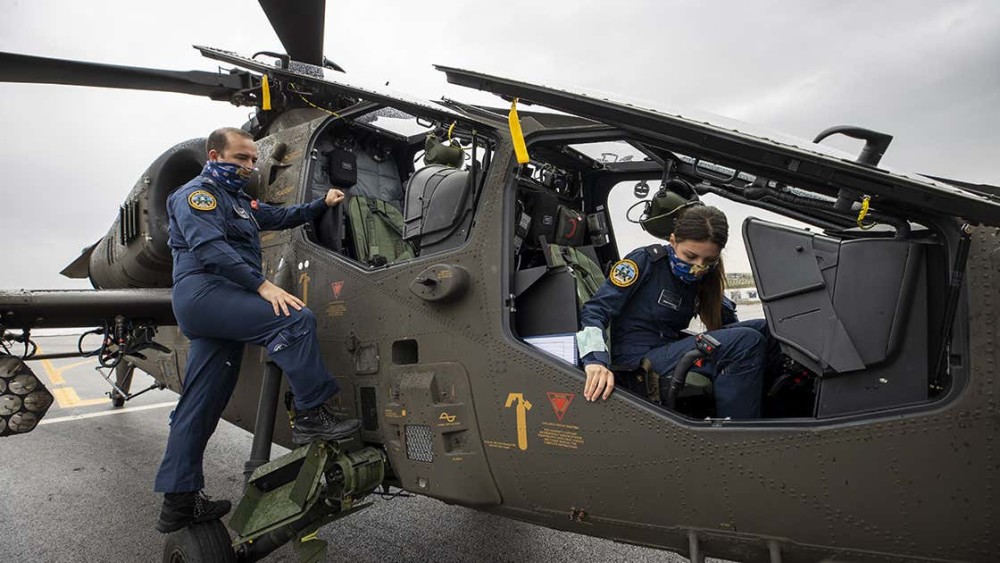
208	542
117	401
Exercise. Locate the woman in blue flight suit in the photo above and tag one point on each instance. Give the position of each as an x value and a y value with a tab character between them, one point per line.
651	296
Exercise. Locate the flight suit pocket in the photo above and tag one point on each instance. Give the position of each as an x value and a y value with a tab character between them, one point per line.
240	225
670	300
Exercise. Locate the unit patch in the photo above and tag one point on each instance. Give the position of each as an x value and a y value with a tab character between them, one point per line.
202	200
624	273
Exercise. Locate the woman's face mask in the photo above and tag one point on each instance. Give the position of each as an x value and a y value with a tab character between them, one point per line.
706	252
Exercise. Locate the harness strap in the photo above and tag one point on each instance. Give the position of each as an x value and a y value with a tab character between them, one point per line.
377	209
371	236
650	380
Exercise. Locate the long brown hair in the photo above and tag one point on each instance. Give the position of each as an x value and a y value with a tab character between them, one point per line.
704	223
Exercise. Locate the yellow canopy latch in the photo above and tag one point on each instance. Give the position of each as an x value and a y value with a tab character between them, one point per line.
516	136
265	90
863	212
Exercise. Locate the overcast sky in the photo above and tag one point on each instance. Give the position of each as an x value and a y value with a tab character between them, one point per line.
926	72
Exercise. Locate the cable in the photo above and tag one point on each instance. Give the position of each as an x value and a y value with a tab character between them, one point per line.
291	86
398	494
79	343
30	348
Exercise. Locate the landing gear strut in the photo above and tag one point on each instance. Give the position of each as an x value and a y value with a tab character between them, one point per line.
263	431
122	385
286	500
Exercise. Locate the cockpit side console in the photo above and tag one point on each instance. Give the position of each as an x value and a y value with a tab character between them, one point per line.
854	311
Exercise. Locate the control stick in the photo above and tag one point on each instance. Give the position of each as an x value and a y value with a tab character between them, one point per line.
704	346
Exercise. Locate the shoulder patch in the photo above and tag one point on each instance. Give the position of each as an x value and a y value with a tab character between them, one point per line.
624	273
202	200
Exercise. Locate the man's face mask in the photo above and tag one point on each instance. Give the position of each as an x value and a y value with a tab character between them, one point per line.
687	273
228	174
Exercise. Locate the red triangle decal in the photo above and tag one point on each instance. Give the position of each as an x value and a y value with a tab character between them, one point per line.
560	403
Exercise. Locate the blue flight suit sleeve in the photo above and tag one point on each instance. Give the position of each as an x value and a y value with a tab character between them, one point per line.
608	302
729	312
204	232
273	218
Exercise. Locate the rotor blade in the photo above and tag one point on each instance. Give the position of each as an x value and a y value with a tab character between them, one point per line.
42	70
299	25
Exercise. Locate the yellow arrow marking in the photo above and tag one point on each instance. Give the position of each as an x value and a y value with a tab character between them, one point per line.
523	406
304	282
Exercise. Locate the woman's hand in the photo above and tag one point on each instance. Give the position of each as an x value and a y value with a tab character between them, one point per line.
600	382
279	298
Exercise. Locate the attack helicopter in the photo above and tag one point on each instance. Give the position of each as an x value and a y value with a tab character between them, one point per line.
446	292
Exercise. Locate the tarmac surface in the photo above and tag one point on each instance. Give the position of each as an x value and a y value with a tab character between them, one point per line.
79	488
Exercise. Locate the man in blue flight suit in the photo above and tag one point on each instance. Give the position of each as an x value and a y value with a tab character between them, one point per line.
222	301
651	296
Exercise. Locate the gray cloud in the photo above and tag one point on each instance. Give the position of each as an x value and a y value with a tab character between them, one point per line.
923	71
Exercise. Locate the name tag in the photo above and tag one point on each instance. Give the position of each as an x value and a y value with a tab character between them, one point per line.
669	300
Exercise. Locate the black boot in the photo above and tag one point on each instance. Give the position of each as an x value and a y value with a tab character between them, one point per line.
319	423
183	509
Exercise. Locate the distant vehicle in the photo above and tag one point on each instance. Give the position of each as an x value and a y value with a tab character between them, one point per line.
743	295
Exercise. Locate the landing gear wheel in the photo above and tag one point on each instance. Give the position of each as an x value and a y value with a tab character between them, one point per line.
117	401
208	542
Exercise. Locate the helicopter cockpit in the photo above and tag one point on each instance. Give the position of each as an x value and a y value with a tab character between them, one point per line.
847	299
411	185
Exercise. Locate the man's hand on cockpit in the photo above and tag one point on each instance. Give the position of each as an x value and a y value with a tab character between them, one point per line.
600	383
333	197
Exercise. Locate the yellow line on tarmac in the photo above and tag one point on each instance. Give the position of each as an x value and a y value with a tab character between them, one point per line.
54	376
66	396
90	402
76	365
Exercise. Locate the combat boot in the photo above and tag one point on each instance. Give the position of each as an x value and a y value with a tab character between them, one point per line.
183	509
319	423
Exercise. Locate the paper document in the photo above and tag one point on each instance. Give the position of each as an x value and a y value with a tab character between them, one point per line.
562	346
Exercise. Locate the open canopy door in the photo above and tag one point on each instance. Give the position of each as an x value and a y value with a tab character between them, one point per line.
747	148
